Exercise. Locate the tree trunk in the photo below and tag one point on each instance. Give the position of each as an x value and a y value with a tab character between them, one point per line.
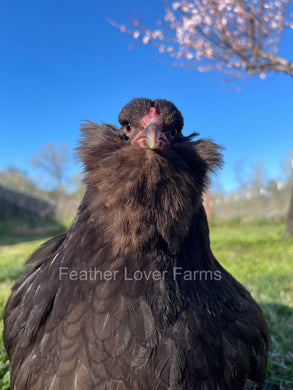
207	206
289	227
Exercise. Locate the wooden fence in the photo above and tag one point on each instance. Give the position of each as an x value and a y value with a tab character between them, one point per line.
14	204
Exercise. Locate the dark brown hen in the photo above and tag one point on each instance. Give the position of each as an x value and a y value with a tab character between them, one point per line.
131	297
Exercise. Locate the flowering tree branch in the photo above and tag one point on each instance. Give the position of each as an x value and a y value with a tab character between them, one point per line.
231	36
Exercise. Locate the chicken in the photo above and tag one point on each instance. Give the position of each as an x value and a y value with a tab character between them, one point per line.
131	296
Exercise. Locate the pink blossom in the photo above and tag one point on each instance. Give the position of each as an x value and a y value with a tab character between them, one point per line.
227	35
189	55
136	34
169	17
176	5
157	34
146	39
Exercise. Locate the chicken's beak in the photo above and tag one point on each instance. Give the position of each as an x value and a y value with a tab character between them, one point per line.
151	137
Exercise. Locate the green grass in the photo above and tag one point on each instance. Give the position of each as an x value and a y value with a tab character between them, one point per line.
11	267
15	248
254	253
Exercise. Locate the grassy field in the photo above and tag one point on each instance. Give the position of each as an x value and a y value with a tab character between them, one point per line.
254	253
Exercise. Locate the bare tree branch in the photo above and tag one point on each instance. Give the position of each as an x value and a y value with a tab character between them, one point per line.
52	161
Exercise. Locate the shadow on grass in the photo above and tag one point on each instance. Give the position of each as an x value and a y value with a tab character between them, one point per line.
24	230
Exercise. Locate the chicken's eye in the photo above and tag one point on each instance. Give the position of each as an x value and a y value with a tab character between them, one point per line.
173	133
127	128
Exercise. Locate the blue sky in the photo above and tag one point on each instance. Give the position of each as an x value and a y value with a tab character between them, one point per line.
61	62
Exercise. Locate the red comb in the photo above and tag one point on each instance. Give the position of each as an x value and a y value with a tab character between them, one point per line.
152	116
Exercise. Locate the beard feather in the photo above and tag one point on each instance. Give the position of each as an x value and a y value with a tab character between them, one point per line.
141	196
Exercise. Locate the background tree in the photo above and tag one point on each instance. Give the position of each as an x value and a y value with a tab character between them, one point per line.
289	226
18	180
287	166
52	162
259	178
240	38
